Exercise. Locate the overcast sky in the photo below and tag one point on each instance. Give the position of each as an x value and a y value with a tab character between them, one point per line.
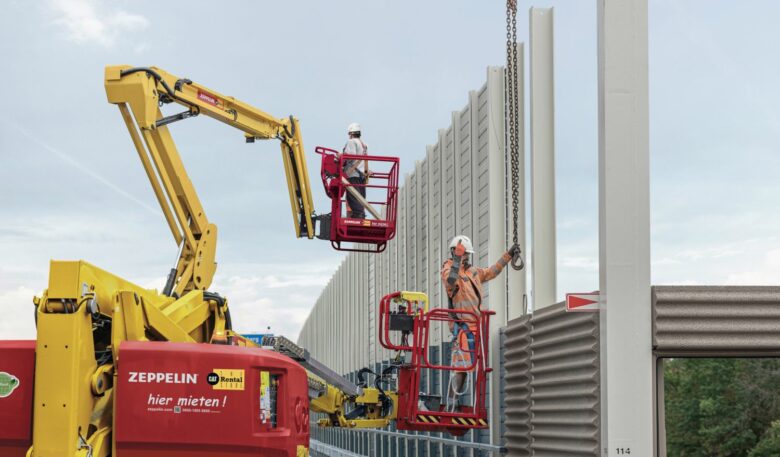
72	186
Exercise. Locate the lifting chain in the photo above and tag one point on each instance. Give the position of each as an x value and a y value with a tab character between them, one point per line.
511	95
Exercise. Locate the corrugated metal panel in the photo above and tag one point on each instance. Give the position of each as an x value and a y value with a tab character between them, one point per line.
365	309
716	320
462	174
392	254
411	234
338	324
482	220
372	310
348	320
402	261
517	387
444	216
423	181
447	149
564	383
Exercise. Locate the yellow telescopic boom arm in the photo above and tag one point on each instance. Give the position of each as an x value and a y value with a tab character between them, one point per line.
142	91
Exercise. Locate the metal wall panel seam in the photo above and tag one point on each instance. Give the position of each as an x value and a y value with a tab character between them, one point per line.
424	221
482	217
497	229
473	157
454	156
430	282
516	280
420	242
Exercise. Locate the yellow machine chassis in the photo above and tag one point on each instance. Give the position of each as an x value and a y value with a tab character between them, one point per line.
73	394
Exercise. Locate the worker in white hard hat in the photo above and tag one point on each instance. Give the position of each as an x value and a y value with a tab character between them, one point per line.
358	178
463	284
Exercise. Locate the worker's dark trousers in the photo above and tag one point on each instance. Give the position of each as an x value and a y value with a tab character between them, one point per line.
357	210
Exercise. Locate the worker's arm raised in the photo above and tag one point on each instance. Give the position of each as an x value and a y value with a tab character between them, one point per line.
486	274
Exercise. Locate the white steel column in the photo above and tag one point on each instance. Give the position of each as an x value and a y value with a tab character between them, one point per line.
624	229
497	237
543	254
517	279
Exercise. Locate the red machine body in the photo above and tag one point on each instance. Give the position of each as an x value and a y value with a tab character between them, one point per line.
362	235
17	372
410	320
198	400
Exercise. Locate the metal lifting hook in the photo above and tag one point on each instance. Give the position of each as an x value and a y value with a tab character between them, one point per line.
517	256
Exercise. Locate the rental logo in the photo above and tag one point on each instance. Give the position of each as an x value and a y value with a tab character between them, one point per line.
208	98
163	378
226	379
8	383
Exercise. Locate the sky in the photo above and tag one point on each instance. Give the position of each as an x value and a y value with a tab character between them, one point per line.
72	186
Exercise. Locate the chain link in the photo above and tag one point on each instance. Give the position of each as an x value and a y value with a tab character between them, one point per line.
512	97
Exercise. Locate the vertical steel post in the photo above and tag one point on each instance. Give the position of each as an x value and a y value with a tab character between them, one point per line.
624	229
543	251
497	213
517	279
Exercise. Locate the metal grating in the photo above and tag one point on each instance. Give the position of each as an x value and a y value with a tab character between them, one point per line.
716	320
564	383
517	387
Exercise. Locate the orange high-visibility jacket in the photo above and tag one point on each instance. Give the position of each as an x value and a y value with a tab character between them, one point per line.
467	289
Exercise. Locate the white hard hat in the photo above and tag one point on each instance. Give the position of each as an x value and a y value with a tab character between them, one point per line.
465	241
353	127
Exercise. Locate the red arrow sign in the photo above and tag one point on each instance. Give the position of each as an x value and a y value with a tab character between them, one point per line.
582	302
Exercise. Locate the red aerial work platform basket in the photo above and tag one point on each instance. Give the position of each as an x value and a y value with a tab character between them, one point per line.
381	204
406	315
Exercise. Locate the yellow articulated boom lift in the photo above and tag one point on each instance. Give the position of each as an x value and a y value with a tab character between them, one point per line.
116	369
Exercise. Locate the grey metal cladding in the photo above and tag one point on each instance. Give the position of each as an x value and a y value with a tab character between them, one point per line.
564	382
423	226
411	234
482	217
516	373
463	177
716	320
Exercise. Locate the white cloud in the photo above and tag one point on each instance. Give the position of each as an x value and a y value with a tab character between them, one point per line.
18	320
580	263
281	301
93	21
766	274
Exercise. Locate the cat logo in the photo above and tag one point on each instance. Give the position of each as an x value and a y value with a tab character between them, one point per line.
226	379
